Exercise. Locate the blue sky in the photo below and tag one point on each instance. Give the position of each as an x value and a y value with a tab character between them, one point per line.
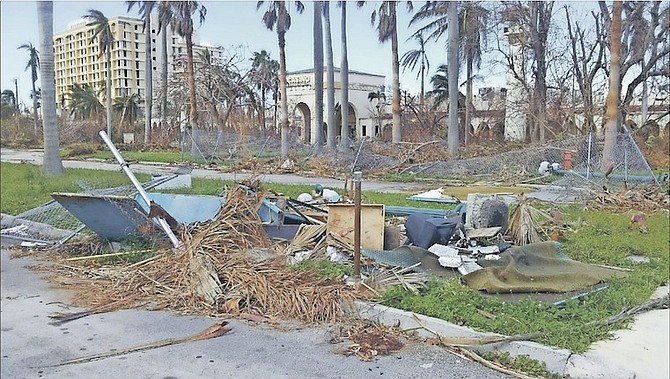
228	23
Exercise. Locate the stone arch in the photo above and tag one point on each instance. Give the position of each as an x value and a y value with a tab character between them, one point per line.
303	121
353	116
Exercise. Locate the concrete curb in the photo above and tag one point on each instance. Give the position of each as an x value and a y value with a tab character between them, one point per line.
555	359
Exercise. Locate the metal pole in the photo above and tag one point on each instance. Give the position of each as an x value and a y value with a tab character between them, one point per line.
143	194
358	177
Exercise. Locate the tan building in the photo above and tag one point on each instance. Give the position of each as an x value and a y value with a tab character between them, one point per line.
77	59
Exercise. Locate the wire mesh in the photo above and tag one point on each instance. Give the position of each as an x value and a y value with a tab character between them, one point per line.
50	223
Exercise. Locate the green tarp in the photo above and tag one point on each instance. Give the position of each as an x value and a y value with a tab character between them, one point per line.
538	267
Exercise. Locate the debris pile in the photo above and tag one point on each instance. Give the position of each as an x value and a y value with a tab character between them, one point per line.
646	199
211	273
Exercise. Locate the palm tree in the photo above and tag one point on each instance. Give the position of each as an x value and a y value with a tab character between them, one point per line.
164	17
414	56
440	91
182	23
84	101
7	104
264	73
385	18
144	10
103	32
52	164
318	74
379	97
473	20
452	61
276	17
330	78
33	64
344	79
129	106
7	97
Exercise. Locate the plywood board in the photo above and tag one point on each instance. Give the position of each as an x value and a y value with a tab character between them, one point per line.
341	222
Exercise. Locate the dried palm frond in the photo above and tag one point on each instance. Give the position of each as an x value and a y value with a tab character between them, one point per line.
524	225
306	238
410	280
211	266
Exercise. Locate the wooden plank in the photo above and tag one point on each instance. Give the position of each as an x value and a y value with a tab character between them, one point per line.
341	222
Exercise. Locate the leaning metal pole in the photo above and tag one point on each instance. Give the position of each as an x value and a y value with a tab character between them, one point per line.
125	167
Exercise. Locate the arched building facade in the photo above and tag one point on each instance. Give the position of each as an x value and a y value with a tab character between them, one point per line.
301	104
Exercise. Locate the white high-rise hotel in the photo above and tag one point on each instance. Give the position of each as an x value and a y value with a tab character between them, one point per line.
78	59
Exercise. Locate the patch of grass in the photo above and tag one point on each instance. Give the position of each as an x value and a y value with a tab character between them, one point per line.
600	238
324	268
521	363
24	187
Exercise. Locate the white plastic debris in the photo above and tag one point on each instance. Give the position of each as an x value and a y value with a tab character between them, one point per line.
451	262
305	197
485	250
443	250
336	255
288	165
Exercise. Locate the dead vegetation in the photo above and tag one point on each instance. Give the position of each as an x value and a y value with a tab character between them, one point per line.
212	274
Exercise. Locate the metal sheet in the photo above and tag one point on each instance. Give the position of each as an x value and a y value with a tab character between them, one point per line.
110	217
186	209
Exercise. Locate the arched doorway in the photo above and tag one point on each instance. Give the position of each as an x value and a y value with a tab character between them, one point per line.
351	124
302	119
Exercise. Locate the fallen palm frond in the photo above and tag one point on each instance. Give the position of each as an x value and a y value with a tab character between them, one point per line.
306	238
658	303
457	346
213	331
211	266
62	318
410	280
524	225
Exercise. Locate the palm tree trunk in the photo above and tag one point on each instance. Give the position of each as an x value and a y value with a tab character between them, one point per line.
344	80
468	100
423	79
318	75
108	91
193	114
395	105
330	79
613	95
35	120
452	80
283	111
164	72
148	78
52	164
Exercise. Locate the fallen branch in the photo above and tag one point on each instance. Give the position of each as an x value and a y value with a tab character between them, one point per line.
62	318
213	331
456	344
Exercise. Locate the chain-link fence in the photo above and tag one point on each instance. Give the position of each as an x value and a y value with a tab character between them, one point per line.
52	224
576	162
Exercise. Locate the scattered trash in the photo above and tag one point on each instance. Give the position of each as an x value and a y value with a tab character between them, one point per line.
326	193
305	197
435	195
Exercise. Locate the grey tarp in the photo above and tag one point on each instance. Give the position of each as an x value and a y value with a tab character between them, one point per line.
538	267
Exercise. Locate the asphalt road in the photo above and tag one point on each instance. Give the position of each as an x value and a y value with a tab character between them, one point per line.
32	348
